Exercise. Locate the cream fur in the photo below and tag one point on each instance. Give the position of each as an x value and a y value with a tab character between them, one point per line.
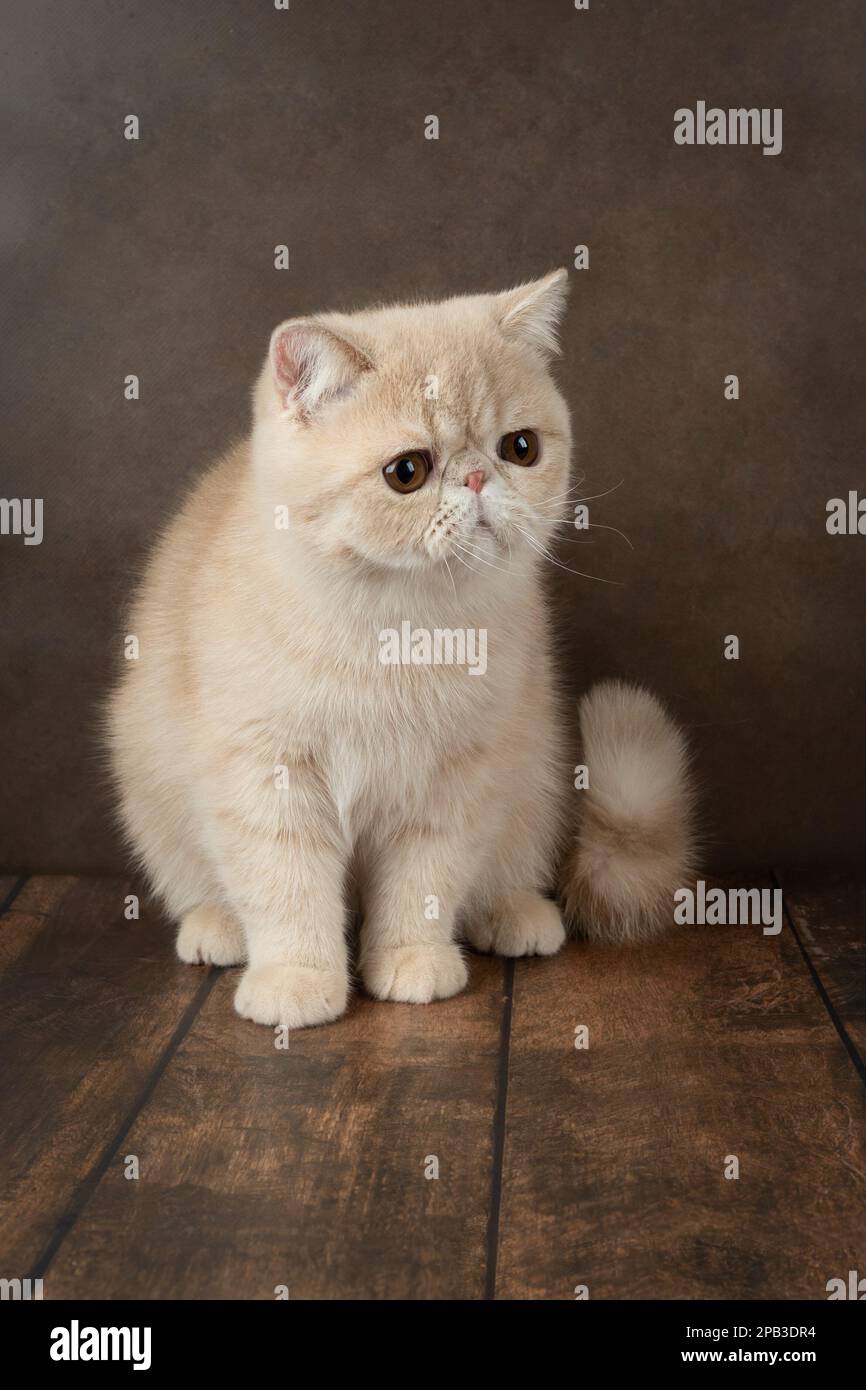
268	764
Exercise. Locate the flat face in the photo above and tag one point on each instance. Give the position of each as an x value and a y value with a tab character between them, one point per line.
469	418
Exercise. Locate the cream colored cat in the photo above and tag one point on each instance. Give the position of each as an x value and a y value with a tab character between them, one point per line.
276	747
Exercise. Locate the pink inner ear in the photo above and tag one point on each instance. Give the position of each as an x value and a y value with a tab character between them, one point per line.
292	359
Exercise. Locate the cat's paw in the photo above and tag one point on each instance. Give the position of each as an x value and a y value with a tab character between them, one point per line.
414	974
523	924
211	936
297	996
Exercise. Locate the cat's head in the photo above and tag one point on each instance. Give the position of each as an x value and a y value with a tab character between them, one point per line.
409	435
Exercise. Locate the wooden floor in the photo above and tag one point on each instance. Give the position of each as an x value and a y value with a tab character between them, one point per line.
558	1166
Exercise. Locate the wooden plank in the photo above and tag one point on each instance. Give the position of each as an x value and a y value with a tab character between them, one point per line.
712	1042
306	1167
830	918
88	1005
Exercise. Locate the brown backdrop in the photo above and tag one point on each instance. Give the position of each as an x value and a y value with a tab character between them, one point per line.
305	127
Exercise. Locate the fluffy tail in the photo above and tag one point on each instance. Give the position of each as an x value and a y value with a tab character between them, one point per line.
635	839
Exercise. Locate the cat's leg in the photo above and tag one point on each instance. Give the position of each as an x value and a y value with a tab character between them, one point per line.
211	935
417	878
508	913
408	951
160	823
412	893
282	862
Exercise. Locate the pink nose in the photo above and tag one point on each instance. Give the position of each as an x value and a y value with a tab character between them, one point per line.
475	480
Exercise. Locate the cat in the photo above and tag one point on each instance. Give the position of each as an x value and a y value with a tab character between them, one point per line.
406	471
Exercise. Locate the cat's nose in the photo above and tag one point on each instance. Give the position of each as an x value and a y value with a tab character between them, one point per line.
475	480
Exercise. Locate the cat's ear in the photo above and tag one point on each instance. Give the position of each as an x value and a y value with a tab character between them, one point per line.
531	313
312	365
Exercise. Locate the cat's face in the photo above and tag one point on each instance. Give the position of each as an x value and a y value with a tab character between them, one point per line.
410	436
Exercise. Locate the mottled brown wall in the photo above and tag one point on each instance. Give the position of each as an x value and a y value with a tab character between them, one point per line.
260	127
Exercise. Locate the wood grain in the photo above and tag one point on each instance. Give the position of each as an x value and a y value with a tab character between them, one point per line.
829	915
306	1167
713	1042
88	1004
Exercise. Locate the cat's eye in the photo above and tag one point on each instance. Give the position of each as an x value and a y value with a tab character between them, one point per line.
407	472
521	447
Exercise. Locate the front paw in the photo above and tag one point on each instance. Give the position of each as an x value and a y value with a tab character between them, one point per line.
297	996
524	924
414	974
209	935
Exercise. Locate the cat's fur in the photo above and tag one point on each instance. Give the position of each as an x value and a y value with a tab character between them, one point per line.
268	762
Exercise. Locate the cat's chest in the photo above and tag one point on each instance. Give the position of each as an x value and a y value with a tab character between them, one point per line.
410	702
383	739
392	675
383	706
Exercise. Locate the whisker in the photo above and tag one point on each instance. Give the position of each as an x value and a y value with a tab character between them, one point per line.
450	575
593	497
476	555
541	551
573	488
594	525
466	564
597	525
557	521
472	545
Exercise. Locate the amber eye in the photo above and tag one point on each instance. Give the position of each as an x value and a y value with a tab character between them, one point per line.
407	472
521	447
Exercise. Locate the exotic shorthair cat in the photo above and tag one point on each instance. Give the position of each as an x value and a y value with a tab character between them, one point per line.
303	724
